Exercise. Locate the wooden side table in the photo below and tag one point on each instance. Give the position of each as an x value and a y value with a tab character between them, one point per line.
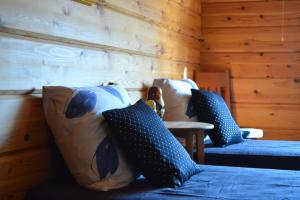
187	130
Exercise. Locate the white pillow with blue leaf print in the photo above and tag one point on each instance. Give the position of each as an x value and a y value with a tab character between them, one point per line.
83	137
177	97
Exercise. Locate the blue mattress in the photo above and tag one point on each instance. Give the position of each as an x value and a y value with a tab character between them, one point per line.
256	153
214	182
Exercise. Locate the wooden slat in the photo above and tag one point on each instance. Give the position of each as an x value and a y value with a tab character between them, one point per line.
250	8
227	1
265	70
64	19
215	82
36	64
22	123
283	91
250	58
267	116
251	14
249	21
194	5
164	13
265	39
275	134
22	171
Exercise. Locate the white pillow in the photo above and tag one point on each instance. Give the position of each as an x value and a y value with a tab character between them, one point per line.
83	137
177	97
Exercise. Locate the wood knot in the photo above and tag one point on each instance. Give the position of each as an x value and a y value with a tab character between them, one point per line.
162	51
256	92
261	54
246	43
66	11
229	18
289	66
27	137
9	171
261	16
138	4
1	22
296	80
243	8
152	67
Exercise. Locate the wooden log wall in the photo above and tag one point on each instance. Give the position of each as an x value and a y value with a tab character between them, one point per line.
259	40
62	42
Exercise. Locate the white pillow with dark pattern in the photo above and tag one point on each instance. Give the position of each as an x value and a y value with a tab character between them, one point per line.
83	137
177	96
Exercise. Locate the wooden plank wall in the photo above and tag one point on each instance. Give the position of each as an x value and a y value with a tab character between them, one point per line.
261	46
61	42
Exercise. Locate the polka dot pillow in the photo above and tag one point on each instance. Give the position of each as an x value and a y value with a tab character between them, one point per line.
211	108
150	146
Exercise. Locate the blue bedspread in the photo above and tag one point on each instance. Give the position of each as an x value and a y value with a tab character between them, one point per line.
256	153
214	182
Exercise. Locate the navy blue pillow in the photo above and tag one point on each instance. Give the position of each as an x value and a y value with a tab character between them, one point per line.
211	108
150	146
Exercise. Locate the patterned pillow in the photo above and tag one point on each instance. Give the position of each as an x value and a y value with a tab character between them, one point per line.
150	146
177	97
211	108
82	135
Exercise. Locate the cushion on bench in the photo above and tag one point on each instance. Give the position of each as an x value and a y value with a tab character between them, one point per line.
256	153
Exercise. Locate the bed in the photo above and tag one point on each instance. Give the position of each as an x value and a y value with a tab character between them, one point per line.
251	153
214	182
273	154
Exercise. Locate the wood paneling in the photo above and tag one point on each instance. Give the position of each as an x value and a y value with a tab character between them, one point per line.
64	19
22	123
284	70
272	116
259	41
227	1
251	39
277	134
36	64
168	14
251	14
63	42
193	5
250	58
278	91
21	171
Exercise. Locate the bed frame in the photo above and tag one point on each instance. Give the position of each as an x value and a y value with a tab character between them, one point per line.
215	82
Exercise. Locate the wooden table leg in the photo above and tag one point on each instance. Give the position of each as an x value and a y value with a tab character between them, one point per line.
189	144
200	146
